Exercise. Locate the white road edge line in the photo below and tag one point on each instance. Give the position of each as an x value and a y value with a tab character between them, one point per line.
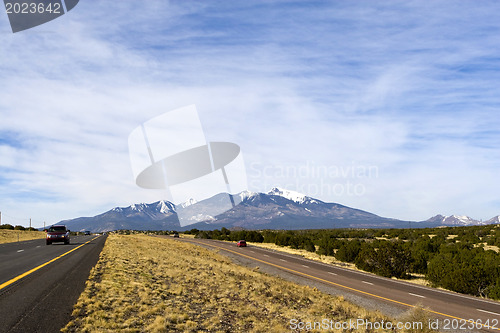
367	282
265	255
332	273
417	295
282	259
305	266
20	250
493	313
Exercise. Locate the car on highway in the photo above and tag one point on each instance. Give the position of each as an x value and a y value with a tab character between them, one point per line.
241	243
87	233
57	233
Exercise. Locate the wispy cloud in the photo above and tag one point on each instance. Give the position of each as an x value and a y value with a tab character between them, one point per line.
411	88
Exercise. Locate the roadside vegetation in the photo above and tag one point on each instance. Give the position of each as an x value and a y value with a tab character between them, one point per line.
461	259
157	284
11	234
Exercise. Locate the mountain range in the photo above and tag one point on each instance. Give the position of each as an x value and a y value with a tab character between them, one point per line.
276	209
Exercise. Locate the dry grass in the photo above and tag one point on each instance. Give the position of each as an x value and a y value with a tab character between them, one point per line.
488	247
11	236
150	284
306	254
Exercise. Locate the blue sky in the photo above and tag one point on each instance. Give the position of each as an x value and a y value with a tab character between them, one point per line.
408	90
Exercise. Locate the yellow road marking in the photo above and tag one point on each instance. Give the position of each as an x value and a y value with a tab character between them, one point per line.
19	277
346	287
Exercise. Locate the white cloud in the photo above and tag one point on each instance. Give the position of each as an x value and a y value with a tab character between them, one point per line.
410	88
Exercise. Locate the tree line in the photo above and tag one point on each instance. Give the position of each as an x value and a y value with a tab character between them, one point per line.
17	227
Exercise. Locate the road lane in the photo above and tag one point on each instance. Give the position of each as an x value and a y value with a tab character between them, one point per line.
43	300
443	304
19	257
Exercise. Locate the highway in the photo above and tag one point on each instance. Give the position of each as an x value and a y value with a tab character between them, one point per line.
39	284
455	311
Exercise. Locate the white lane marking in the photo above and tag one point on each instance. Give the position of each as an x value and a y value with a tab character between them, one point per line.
332	273
367	282
394	281
265	255
305	266
252	251
493	313
282	259
417	295
20	250
38	246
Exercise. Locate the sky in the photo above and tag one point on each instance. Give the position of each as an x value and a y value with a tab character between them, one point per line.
392	107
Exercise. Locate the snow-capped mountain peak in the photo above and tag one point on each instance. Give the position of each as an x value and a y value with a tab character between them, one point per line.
290	195
494	220
462	219
187	203
138	207
246	195
455	220
162	206
165	206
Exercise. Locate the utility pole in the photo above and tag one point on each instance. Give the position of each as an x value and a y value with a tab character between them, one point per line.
30	222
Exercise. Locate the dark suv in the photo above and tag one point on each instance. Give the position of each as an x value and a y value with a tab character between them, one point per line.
57	233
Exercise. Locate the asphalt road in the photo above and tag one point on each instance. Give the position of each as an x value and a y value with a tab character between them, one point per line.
39	284
455	311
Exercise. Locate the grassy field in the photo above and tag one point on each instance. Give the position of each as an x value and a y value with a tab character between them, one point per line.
10	236
150	284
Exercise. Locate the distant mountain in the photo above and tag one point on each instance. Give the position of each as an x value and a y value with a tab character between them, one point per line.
493	220
454	220
158	215
283	209
276	209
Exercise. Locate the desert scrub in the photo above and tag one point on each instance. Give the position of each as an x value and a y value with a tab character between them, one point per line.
11	236
151	284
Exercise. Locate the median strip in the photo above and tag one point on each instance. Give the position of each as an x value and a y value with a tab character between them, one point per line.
19	277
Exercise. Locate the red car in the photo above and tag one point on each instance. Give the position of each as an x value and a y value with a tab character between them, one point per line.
57	233
241	243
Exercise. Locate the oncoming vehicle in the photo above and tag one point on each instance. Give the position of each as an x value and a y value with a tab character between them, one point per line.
241	243
57	233
87	233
